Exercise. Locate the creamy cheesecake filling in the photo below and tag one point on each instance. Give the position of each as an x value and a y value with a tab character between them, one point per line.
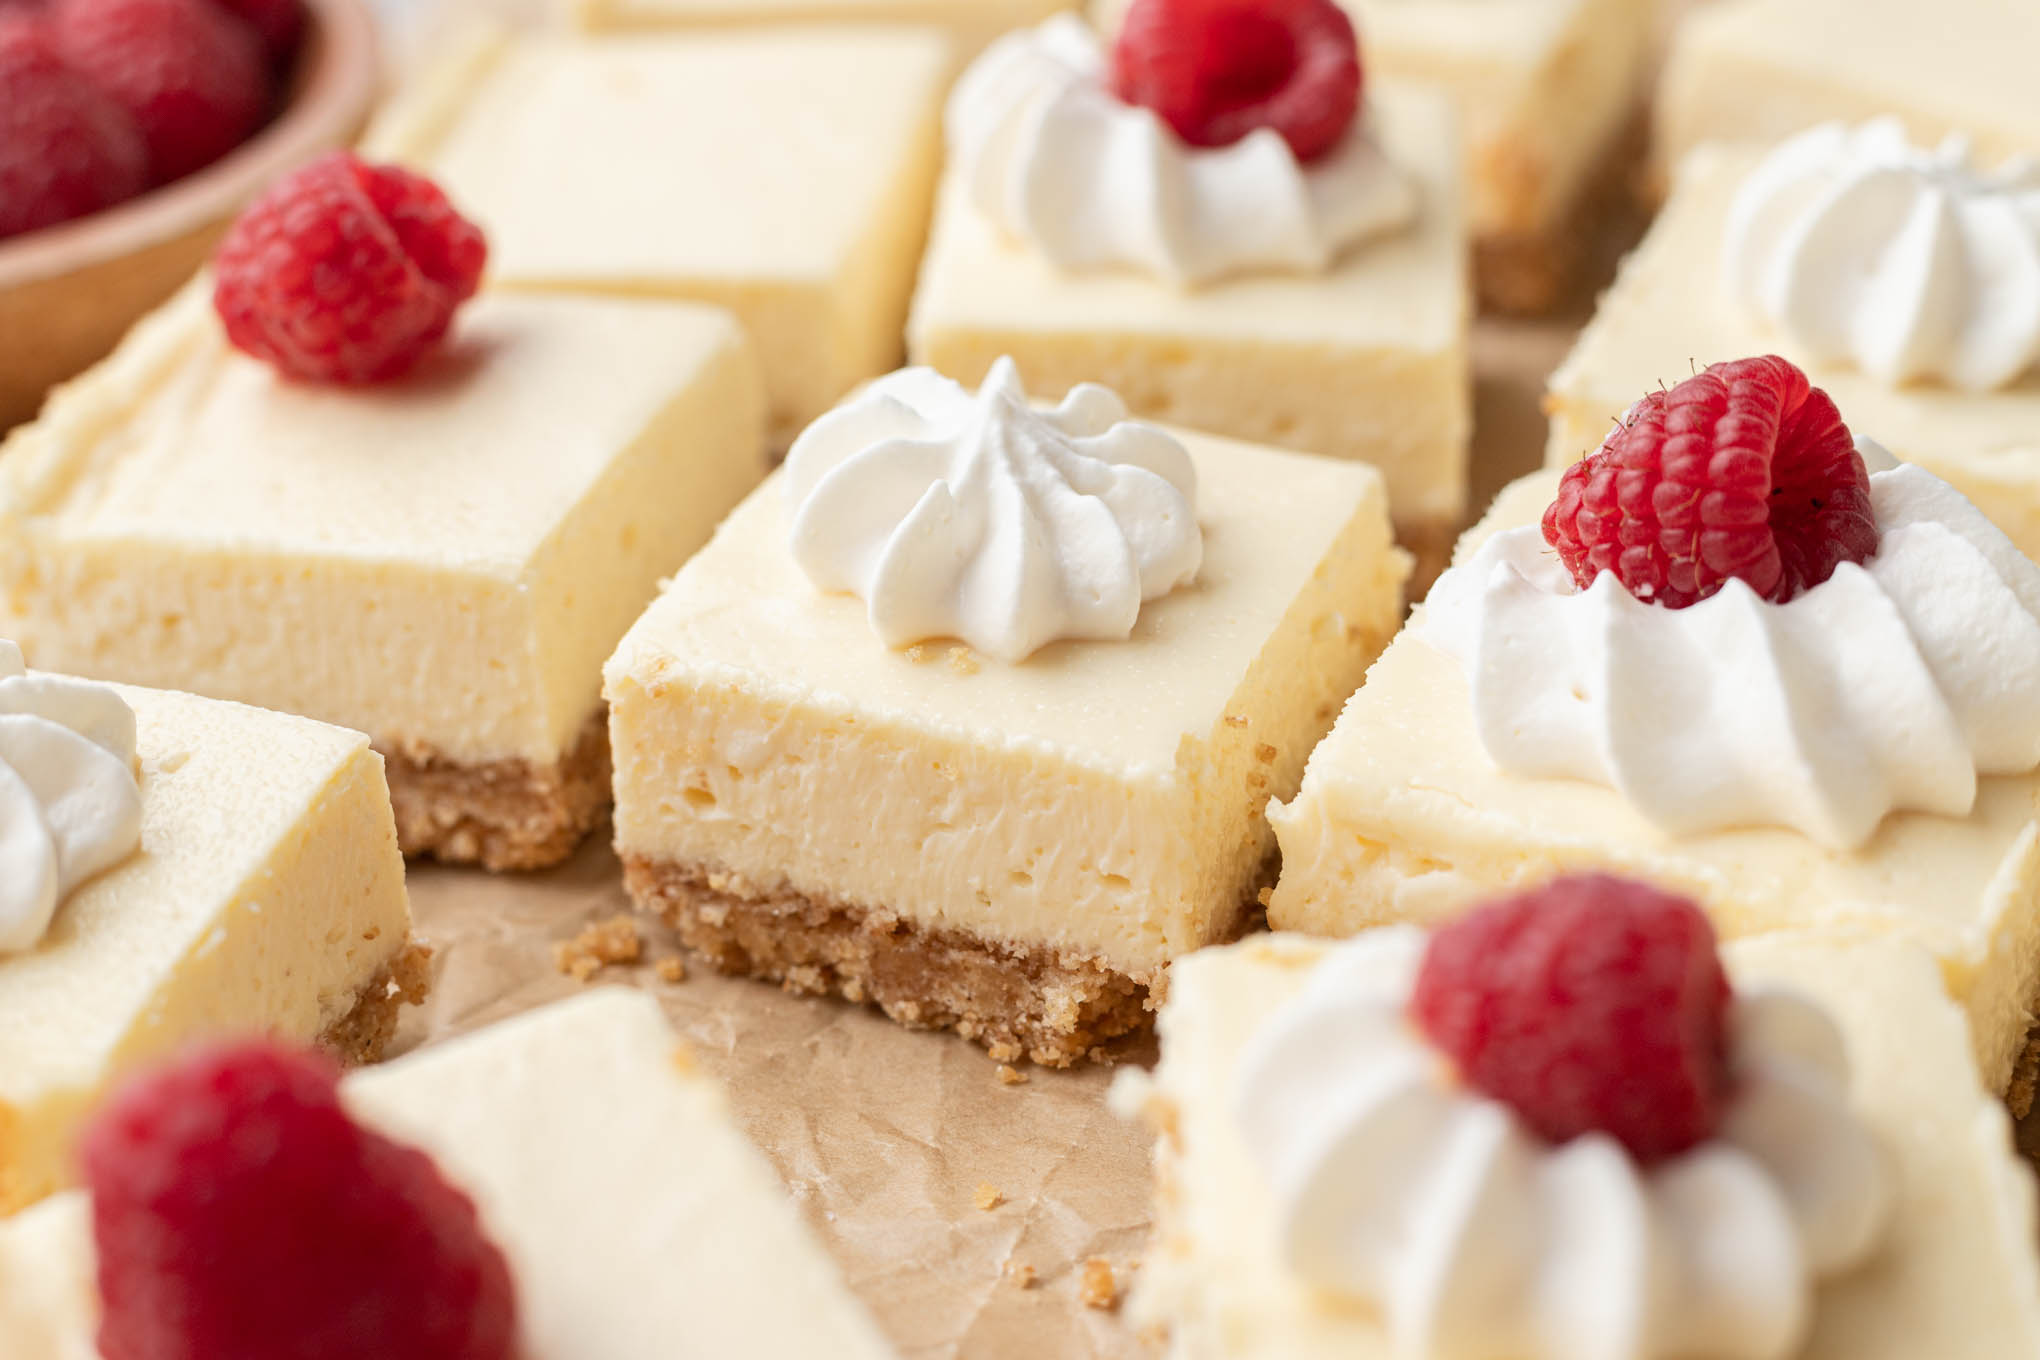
761	731
268	895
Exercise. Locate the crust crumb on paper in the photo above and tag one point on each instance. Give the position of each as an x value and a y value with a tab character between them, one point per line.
672	968
988	1196
1010	1075
599	945
1099	1287
963	661
1021	1274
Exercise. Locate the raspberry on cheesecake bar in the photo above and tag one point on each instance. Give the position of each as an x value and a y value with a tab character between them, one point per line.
326	493
1737	652
973	709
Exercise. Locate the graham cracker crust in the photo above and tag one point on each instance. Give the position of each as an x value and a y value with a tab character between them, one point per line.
360	1036
503	815
1055	1008
1535	273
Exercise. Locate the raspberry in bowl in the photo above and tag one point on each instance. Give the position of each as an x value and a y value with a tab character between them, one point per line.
167	116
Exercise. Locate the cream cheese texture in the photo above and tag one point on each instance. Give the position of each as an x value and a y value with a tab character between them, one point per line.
1913	264
1894	685
976	516
1056	159
70	805
1476	1239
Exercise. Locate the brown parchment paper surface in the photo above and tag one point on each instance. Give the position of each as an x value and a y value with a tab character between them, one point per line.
882	1134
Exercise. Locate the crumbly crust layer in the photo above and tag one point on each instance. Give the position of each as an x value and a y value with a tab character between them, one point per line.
360	1036
504	814
1534	273
1053	1007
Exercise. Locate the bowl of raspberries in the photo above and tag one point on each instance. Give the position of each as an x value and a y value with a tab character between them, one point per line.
131	132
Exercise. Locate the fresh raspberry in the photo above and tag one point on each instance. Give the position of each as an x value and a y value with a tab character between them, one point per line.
190	73
279	23
1743	470
1215	70
346	272
241	1215
1592	1004
65	148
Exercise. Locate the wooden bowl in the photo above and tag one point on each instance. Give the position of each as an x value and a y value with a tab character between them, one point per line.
68	292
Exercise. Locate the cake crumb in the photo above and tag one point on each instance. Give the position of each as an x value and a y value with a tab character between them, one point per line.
1100	1287
1021	1274
1265	753
1265	896
684	1061
1010	1075
1235	720
599	945
988	1196
672	968
963	661
918	653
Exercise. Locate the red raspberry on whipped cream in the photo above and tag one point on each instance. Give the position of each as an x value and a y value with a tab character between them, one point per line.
1744	470
1591	1004
1216	70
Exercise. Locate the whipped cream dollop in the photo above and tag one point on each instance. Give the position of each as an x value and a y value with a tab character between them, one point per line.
1053	157
1475	1238
70	806
977	516
1906	262
1891	685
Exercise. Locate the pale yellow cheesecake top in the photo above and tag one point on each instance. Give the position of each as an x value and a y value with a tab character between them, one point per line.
267	893
442	561
1047	800
1670	314
1758	69
638	1222
1402	815
1954	1278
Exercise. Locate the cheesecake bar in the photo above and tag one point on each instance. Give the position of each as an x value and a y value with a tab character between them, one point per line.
1404	816
1011	848
267	894
1550	94
1367	360
441	562
970	23
1954	1276
1757	70
781	172
634	1215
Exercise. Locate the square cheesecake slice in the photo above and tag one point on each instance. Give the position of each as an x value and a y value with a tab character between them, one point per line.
782	172
1550	94
1758	70
1367	361
1403	816
1955	1276
1014	850
971	24
1671	311
634	1214
442	562
267	895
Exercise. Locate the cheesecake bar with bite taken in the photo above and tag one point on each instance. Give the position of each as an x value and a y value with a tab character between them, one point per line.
1726	655
973	709
782	171
1760	70
173	868
307	500
563	1186
1904	277
1550	94
1365	1148
1290	271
